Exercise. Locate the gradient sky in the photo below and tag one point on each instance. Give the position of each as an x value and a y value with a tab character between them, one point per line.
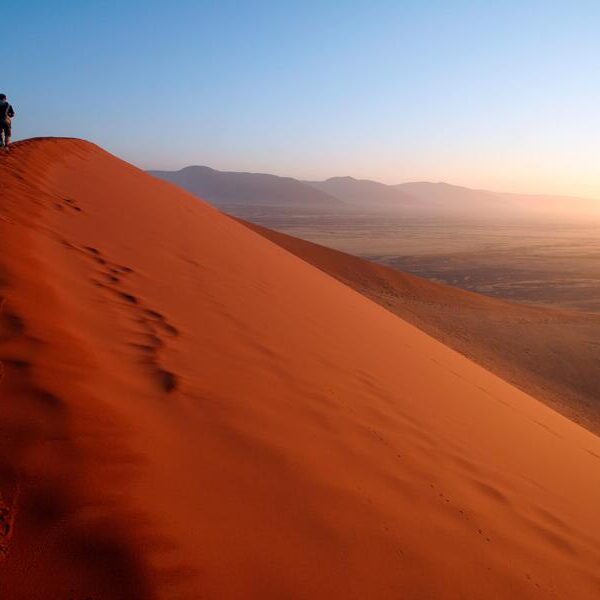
502	95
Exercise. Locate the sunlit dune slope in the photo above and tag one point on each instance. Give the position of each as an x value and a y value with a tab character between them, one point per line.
189	411
551	354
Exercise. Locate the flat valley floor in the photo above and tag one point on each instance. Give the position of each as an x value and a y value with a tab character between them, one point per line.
550	263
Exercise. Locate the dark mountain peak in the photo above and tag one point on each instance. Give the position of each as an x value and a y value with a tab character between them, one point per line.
223	188
342	179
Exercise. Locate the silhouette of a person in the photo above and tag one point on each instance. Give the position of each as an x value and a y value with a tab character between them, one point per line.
6	114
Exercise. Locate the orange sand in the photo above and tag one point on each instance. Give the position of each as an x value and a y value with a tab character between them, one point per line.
190	411
549	353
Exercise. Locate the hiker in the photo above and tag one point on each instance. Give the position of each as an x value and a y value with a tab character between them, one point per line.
6	114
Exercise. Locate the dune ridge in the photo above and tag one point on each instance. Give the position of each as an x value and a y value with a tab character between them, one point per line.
549	353
190	411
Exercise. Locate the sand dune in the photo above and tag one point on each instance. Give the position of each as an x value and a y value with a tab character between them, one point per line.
551	354
190	411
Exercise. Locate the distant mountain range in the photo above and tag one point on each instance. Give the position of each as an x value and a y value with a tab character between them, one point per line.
230	190
443	198
249	189
362	192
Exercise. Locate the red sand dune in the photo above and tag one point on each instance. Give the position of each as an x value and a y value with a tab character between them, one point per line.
552	354
189	411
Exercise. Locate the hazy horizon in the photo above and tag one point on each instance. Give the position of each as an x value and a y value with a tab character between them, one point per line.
393	183
488	97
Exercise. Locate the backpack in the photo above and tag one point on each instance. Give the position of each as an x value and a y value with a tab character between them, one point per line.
6	112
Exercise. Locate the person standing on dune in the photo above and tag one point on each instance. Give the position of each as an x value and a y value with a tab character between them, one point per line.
6	114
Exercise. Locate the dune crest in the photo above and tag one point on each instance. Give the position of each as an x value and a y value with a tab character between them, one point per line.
189	411
549	353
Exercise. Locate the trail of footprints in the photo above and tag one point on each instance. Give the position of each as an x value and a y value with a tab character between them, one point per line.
155	328
11	329
31	415
33	420
542	522
6	517
67	204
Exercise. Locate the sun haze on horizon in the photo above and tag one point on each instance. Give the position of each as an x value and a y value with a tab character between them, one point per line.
497	97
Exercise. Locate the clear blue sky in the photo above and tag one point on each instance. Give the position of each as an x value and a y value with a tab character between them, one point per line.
503	95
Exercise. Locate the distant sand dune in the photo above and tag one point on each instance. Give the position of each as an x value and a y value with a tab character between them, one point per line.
190	411
551	354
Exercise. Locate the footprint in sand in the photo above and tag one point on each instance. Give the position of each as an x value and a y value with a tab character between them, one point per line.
153	322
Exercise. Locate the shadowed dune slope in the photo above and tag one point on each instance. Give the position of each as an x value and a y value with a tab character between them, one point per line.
189	411
552	354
